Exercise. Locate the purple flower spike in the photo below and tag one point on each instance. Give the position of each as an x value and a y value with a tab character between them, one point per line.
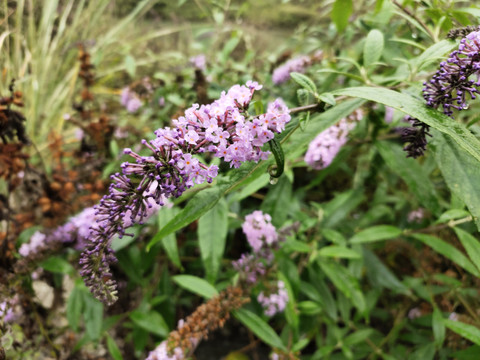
455	81
223	128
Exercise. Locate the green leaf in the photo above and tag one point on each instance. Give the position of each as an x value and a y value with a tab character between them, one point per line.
114	149
434	53
334	236
278	200
413	21
290	311
447	250
296	246
75	306
130	66
169	242
310	290
196	285
259	328
358	336
417	109
304	120
345	282
373	48
212	234
308	307
388	357
347	352
411	172
460	170
113	349
57	265
245	175
236	356
424	352
258	106
339	252
380	275
151	321
470	353
452	214
300	344
303	97
298	142
279	156
471	245
328	98
438	327
93	316
230	45
341	11
110	321
251	188
304	81
376	233
338	209
196	207
323	352
468	331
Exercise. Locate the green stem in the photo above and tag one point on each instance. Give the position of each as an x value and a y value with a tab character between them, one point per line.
412	15
450	224
469	308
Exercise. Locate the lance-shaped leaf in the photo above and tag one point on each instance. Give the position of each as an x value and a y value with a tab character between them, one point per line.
412	173
460	170
260	328
417	109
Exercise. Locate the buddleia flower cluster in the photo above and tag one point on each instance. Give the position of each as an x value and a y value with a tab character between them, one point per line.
263	238
223	128
450	88
323	149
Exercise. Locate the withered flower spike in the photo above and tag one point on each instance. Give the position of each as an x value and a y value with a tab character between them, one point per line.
207	318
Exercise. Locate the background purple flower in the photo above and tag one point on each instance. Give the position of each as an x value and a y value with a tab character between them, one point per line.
199	62
298	64
276	301
323	149
130	100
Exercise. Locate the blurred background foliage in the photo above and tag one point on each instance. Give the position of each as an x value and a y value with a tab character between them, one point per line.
365	277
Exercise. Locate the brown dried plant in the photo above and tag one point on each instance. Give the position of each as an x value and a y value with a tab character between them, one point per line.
207	318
